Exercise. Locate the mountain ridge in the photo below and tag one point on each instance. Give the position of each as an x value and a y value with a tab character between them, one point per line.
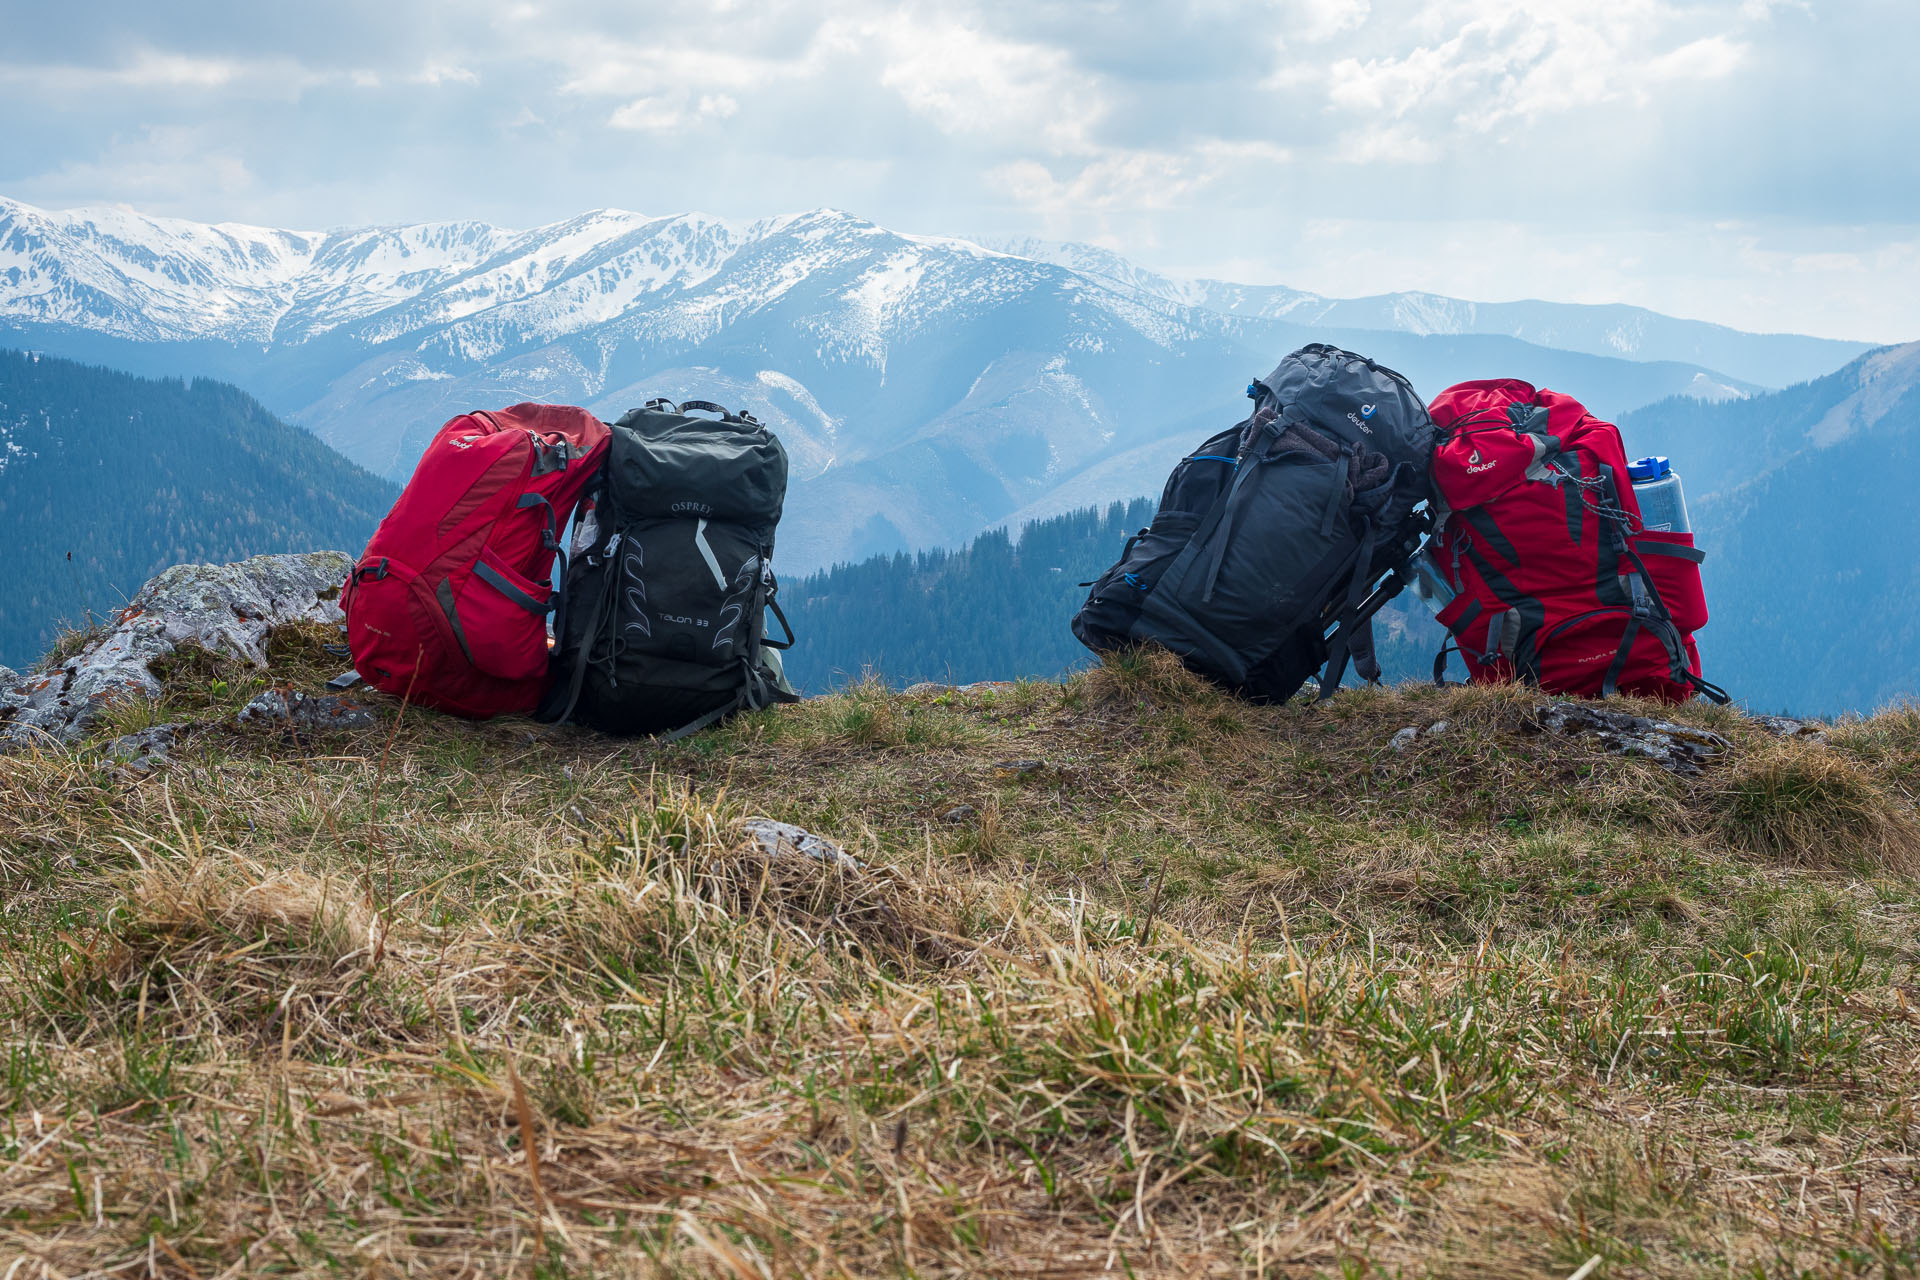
927	387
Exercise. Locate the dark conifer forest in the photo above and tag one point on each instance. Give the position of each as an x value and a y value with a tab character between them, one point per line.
106	479
997	609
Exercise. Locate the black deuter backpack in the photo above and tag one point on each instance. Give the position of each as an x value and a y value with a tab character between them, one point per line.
1278	539
665	625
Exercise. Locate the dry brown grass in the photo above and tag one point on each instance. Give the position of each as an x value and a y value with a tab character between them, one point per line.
1214	990
1818	808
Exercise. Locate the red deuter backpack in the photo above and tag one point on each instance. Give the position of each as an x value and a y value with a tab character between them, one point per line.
448	606
1557	582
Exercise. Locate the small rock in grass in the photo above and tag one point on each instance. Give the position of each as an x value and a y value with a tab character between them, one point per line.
1404	739
146	750
1438	727
1017	768
308	711
960	813
784	840
1789	727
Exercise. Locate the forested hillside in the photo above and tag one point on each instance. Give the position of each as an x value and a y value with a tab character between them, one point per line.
1803	502
106	479
997	609
992	610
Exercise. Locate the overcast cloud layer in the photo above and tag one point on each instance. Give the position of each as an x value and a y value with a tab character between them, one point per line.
1745	161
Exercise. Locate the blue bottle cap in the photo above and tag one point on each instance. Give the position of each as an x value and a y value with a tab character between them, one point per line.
1648	468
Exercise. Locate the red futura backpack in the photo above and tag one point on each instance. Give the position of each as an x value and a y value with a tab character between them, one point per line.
1557	582
448	607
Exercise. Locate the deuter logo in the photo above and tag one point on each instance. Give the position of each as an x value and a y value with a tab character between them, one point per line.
464	442
1357	421
1366	410
1475	466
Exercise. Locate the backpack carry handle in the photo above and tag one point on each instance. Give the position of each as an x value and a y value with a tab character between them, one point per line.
686	408
726	414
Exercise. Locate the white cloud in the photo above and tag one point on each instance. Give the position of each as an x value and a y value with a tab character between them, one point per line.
159	168
1709	58
647	115
971	83
1321	20
1210	132
616	69
665	115
1120	179
156	70
437	73
1491	67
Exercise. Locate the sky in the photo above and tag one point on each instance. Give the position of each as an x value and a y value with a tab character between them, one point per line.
1749	162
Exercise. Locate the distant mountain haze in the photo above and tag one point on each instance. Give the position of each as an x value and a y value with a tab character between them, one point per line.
1634	333
927	388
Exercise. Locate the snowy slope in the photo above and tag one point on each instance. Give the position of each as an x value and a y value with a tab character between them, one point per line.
927	387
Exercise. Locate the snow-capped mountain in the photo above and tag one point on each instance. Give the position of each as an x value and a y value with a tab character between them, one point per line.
1634	333
926	387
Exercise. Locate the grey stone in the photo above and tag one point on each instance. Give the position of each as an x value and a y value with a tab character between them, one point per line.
960	813
146	749
926	687
1017	768
226	609
1788	727
1404	739
1438	727
12	695
784	840
308	711
1678	748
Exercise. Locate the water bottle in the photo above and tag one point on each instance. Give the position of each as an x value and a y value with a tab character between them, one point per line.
1428	582
1656	486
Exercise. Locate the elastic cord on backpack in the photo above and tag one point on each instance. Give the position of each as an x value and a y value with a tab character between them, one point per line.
1356	592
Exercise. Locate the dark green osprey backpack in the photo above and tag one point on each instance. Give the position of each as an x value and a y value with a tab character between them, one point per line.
665	624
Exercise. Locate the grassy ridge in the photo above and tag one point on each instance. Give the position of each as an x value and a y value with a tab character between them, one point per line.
1188	987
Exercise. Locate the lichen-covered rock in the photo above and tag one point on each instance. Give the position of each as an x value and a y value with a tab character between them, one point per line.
784	840
1678	748
291	708
147	749
1790	727
226	609
12	695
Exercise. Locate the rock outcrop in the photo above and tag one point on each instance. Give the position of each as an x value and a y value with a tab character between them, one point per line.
1677	748
226	609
